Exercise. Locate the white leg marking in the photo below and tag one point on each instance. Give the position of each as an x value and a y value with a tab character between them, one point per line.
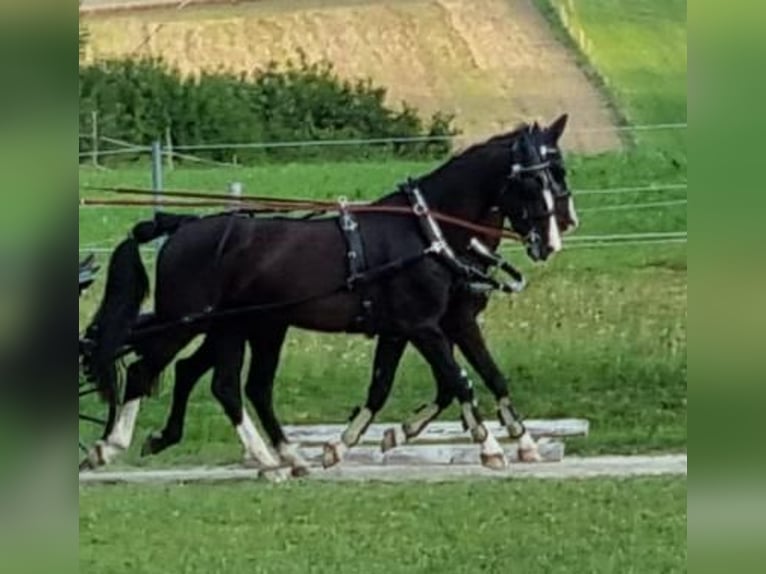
573	214
526	442
254	444
492	455
354	430
554	234
122	434
528	449
420	421
490	445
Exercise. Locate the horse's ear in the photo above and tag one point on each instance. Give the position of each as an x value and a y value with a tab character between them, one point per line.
556	129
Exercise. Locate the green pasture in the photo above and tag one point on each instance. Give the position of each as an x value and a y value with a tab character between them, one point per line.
597	525
601	331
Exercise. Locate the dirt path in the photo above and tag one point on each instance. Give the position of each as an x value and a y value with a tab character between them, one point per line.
571	467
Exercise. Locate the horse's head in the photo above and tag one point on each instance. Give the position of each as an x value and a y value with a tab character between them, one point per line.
521	174
527	198
547	140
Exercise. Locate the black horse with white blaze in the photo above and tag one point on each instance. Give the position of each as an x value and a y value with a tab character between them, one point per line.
238	279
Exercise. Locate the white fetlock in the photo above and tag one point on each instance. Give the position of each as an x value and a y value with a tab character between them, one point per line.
425	415
492	455
356	427
254	445
528	451
119	439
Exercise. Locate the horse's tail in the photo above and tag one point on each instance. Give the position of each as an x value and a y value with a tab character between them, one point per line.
127	285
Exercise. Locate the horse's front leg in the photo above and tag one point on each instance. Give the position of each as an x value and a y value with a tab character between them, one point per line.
410	429
436	348
388	353
465	333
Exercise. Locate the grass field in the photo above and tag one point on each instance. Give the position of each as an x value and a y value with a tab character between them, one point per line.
600	333
607	526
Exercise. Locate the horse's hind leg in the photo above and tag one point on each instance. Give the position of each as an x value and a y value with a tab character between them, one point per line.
188	372
228	349
388	354
155	354
266	346
411	428
471	343
436	349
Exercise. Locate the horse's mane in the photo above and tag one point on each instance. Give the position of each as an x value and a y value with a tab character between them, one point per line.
499	141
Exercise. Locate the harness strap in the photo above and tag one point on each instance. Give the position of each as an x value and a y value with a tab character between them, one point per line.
357	260
357	264
492	259
437	243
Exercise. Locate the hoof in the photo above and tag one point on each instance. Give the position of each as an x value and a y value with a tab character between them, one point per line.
152	445
331	454
529	455
389	440
299	471
496	461
95	458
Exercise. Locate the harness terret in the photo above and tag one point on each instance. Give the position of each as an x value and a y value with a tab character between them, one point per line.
357	266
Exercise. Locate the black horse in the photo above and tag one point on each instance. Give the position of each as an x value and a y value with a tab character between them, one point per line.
459	324
293	273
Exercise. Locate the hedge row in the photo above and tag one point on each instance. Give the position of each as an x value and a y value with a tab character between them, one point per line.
140	100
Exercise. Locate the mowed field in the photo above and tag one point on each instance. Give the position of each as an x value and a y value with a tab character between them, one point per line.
491	63
600	333
578	526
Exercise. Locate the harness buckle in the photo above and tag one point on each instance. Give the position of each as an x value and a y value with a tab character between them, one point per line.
419	209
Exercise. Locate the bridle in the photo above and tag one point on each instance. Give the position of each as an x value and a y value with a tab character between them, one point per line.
558	192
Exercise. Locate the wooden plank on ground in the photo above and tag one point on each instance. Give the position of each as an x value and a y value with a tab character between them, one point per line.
550	451
438	431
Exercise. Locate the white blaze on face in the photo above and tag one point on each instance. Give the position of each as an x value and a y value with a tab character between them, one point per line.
554	234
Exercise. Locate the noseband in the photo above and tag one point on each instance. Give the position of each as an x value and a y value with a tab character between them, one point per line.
549	183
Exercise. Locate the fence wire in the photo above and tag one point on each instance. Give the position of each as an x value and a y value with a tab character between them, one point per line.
354	141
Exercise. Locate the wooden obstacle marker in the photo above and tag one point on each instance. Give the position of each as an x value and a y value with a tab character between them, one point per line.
442	443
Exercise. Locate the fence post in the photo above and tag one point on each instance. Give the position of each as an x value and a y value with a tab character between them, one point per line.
157	179
235	190
169	148
157	170
94	137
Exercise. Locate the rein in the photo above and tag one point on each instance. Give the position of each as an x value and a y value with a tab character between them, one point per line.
287	205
